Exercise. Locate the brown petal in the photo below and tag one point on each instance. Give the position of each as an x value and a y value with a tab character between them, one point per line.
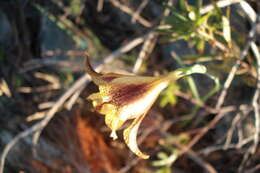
89	68
127	94
98	78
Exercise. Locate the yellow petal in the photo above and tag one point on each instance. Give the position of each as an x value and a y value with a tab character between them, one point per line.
96	99
111	118
108	108
130	135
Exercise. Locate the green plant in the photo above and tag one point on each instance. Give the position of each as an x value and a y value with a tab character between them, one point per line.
189	23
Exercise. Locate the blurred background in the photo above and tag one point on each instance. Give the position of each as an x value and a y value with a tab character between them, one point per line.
203	123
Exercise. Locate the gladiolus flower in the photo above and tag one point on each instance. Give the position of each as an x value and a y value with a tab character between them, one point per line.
128	97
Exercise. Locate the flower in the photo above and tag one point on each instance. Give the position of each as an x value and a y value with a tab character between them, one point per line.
128	97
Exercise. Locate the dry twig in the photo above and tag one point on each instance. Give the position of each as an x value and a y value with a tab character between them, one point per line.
235	67
195	101
255	19
210	149
139	10
231	130
146	50
73	98
254	169
129	11
196	158
4	89
255	101
100	5
219	4
204	130
149	43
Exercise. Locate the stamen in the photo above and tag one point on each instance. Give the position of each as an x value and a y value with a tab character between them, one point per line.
113	135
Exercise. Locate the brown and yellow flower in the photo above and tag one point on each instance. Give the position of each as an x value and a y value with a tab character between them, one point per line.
125	97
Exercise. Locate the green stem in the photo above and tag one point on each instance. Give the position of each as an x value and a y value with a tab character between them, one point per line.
190	81
181	72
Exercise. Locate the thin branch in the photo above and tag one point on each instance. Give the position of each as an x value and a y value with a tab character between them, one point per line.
219	116
255	101
208	150
250	12
13	142
242	164
235	67
204	130
195	101
254	169
74	98
219	4
147	48
130	164
231	130
196	158
150	42
49	115
100	5
209	37
139	10
4	89
36	116
129	11
255	19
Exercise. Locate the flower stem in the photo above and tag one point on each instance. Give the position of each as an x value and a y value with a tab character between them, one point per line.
181	72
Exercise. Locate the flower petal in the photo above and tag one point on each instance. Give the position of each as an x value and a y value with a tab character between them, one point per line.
96	98
130	135
94	75
98	78
111	118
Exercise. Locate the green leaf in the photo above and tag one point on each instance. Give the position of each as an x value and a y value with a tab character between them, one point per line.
226	30
213	90
164	101
183	4
168	97
198	7
165	169
180	16
190	58
203	19
200	45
